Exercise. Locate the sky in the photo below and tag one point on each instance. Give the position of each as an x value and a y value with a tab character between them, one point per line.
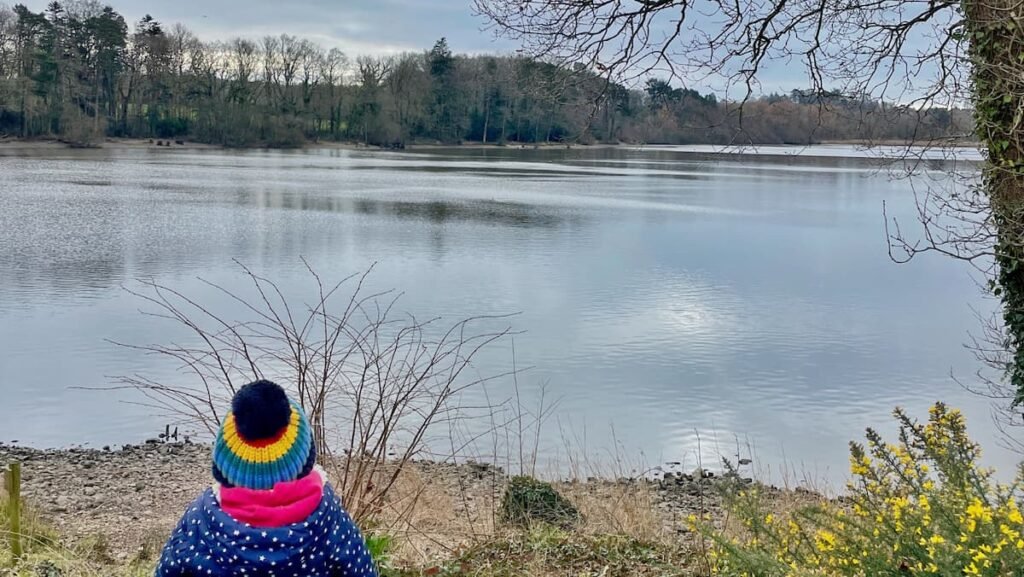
355	26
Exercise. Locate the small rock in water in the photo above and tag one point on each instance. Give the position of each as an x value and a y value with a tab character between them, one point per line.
745	461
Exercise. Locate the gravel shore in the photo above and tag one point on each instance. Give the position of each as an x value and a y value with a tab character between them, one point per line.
130	497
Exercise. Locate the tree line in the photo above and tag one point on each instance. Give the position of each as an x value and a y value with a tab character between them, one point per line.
76	71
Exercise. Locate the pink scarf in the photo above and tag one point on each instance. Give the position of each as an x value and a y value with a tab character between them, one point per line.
286	504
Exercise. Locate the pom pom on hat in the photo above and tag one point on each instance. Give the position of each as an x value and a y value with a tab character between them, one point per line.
261	410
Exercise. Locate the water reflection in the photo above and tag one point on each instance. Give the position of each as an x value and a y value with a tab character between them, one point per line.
495	213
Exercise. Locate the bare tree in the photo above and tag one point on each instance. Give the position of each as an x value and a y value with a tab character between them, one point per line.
181	44
371	74
291	55
865	46
332	72
311	64
8	37
243	62
270	47
407	84
374	383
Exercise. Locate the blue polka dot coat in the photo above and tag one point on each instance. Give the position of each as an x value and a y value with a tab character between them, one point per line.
209	542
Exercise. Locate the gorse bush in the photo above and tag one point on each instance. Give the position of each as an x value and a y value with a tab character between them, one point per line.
920	506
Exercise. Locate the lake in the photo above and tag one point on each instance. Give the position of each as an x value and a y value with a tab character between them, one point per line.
668	297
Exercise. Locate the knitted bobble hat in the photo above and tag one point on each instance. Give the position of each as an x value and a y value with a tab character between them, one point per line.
264	440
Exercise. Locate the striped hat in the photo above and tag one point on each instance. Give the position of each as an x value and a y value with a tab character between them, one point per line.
264	440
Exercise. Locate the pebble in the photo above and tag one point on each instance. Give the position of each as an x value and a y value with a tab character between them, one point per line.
61	504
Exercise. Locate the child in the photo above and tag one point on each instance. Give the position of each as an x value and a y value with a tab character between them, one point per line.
271	512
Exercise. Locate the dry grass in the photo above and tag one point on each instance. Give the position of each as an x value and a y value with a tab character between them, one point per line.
436	510
46	555
35	534
437	513
545	551
616	508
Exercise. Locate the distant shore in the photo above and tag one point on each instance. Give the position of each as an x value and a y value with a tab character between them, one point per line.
177	144
53	143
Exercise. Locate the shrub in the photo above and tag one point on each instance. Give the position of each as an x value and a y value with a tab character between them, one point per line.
368	378
380	547
528	501
921	506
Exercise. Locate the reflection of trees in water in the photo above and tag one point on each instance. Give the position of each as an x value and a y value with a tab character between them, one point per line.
488	212
438	212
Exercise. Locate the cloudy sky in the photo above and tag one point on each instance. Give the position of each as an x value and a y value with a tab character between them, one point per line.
356	26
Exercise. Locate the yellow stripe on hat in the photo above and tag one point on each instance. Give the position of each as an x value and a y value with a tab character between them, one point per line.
267	454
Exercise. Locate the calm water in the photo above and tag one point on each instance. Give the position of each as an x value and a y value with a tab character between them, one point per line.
665	294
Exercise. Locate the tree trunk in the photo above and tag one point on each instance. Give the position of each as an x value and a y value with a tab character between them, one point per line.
96	106
24	109
487	120
125	99
996	43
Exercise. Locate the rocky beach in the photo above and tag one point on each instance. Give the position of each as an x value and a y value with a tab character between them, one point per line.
128	498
